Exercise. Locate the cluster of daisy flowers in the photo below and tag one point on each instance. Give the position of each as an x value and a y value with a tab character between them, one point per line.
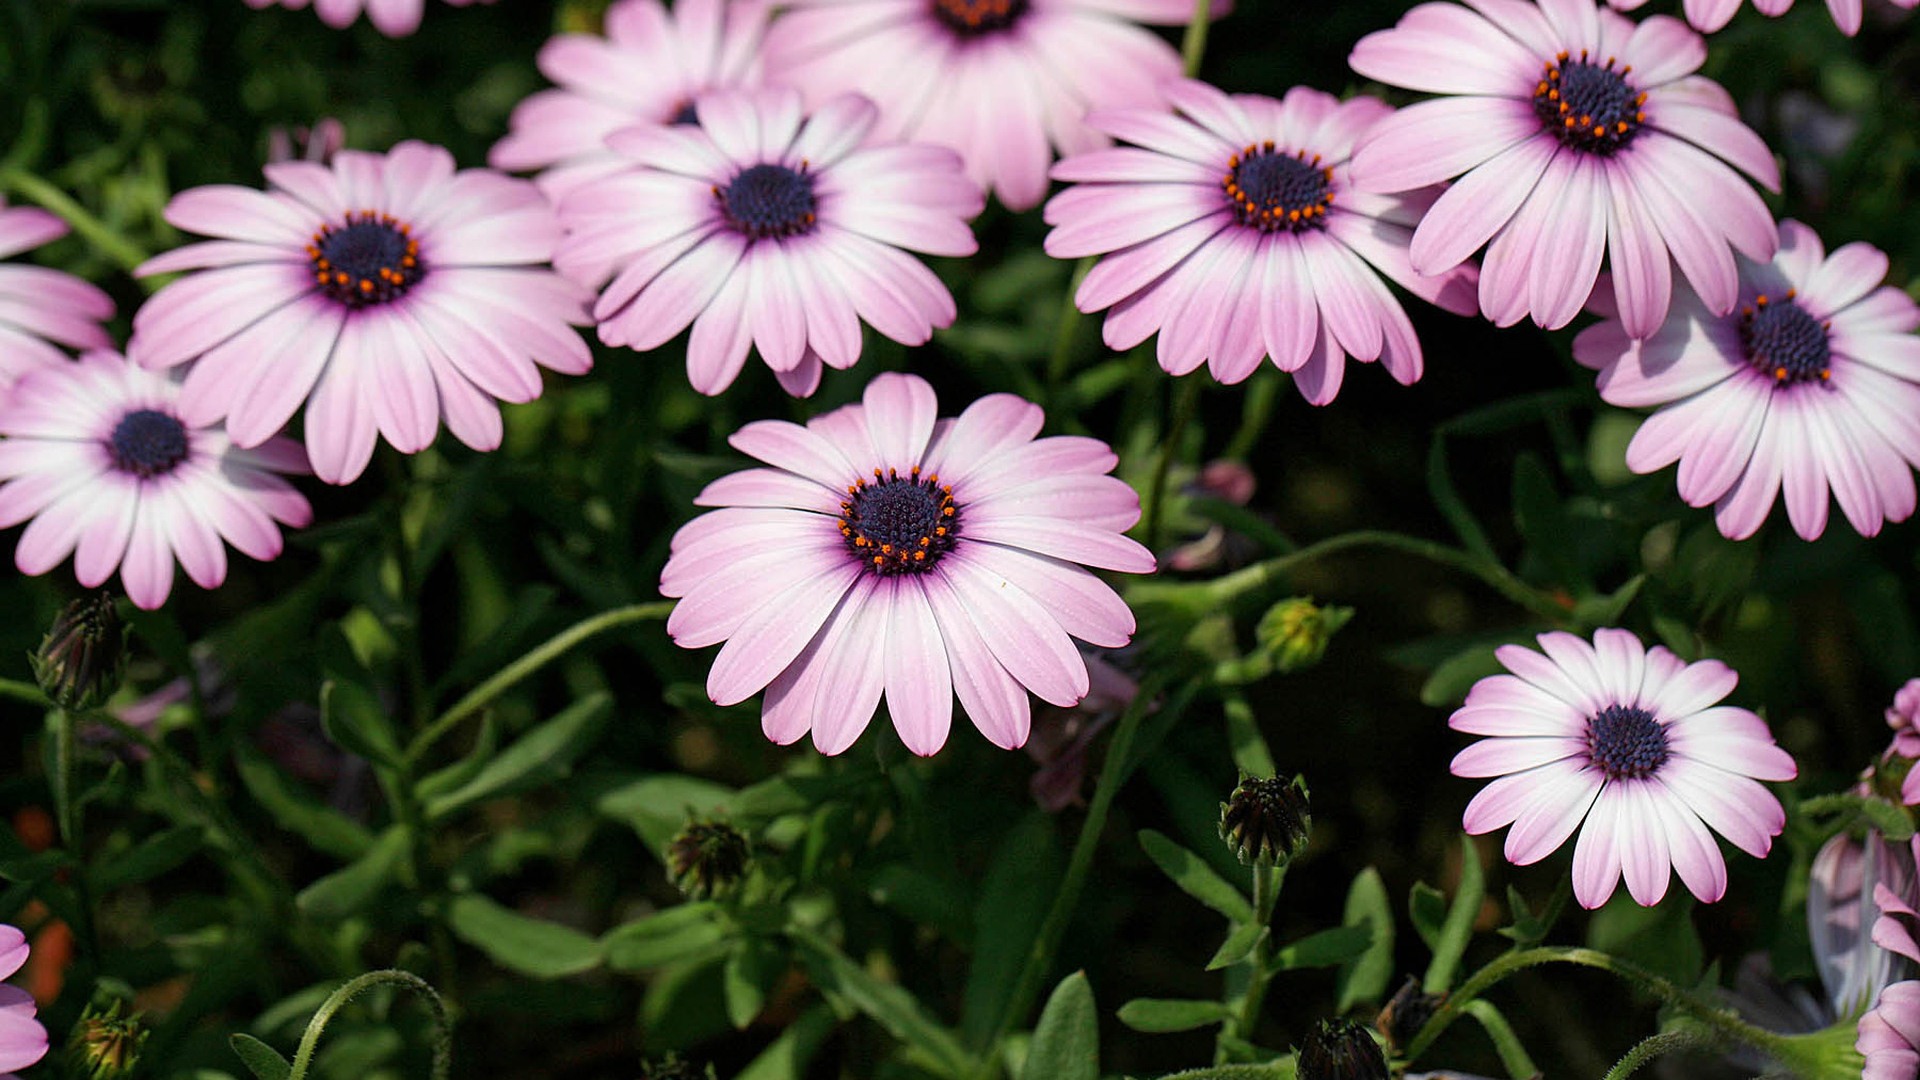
770	183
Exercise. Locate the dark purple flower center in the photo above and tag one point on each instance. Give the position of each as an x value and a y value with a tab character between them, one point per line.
1783	342
1270	189
148	443
769	200
1589	106
370	258
899	524
684	114
968	18
1626	743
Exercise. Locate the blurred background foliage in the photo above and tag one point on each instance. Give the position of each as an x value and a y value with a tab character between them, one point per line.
235	902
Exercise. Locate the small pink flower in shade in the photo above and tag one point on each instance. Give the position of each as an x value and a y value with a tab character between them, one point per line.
41	309
1630	740
764	228
1889	1036
394	18
890	551
647	70
1708	16
384	291
23	1040
1903	716
99	456
1579	138
1004	82
1812	384
1235	232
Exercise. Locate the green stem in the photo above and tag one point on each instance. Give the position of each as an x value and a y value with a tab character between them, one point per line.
1119	765
1193	46
1721	1021
443	1027
1271	571
1186	402
553	648
96	232
1655	1046
24	692
1064	331
1266	895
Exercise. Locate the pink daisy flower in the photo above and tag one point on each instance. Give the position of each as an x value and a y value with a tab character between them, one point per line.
1234	231
1708	16
385	291
1889	1035
1578	138
887	551
41	309
1630	740
764	228
1004	82
647	70
23	1040
1812	384
394	18
99	455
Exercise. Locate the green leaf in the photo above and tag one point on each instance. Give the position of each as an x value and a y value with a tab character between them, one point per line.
1160	1015
441	781
264	1061
1427	911
1364	979
657	806
1461	916
786	1057
542	755
1447	498
352	717
1661	939
533	947
1066	1043
350	888
149	859
321	826
1327	948
1607	609
1282	1069
749	970
1448	684
1250	753
1012	902
893	1008
664	937
1245	938
1196	878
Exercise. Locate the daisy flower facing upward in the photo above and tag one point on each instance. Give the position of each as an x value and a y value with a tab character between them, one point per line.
385	291
1234	231
1004	82
648	69
889	552
1630	740
1708	16
97	454
41	309
1578	137
394	18
1811	384
764	228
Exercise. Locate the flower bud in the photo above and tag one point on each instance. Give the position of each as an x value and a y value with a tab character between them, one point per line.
707	859
1406	1013
106	1045
1341	1050
84	656
1295	632
1266	822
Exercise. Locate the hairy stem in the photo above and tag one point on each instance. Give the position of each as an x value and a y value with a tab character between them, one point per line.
443	1026
1262	574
